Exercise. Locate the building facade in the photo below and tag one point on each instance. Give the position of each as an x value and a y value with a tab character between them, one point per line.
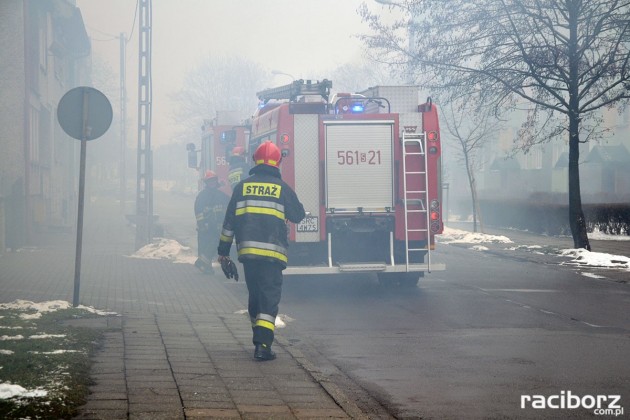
44	52
604	164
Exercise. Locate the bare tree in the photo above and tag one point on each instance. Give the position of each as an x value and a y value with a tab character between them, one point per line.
357	76
566	58
471	126
218	83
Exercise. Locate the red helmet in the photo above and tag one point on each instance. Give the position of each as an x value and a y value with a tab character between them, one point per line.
238	151
268	154
209	175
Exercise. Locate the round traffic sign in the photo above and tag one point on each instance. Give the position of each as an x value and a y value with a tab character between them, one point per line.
84	113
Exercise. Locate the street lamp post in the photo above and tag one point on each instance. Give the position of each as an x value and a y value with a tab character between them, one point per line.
278	73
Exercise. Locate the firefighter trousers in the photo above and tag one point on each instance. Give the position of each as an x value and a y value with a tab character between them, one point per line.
264	284
206	246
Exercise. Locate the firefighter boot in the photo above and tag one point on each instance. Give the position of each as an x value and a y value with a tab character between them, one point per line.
262	353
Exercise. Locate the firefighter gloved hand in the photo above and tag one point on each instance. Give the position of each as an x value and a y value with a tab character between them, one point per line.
228	267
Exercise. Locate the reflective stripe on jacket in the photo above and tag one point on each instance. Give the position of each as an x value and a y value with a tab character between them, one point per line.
256	216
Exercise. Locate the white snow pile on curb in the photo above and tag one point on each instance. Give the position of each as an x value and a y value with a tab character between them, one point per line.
457	236
166	249
583	257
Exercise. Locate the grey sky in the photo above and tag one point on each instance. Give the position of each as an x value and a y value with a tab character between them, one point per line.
304	38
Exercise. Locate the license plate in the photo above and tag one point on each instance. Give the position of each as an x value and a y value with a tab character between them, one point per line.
308	224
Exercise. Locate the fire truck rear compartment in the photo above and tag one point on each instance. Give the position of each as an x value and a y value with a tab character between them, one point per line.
356	239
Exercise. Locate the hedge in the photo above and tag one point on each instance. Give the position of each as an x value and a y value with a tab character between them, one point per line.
550	218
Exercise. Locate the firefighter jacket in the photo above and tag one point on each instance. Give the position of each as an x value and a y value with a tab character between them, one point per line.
257	214
210	206
238	168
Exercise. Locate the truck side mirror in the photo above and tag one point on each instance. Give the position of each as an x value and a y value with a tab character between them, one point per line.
192	155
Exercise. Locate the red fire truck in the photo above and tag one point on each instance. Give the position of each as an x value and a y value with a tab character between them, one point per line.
219	137
367	168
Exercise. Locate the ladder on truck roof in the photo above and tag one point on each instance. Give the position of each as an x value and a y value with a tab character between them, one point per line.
419	197
295	89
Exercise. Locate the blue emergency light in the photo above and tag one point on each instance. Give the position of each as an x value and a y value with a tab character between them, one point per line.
357	108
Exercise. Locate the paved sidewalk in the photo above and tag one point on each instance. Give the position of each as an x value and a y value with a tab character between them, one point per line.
182	347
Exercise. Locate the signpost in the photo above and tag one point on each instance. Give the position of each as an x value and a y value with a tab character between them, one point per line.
85	114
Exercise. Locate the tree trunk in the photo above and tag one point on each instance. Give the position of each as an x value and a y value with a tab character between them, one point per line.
473	192
475	203
576	215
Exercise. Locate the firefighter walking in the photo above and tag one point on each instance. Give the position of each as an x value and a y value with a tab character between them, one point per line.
238	166
210	206
256	217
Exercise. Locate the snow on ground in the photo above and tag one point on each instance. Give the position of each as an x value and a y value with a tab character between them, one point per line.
281	319
581	257
48	306
168	249
11	391
457	236
8	390
479	248
597	235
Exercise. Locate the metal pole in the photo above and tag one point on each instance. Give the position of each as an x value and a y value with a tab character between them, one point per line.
123	125
144	182
77	259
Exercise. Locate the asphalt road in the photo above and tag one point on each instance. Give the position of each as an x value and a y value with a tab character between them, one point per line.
471	341
468	342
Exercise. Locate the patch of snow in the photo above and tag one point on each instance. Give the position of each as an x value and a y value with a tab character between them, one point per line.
168	249
479	248
11	337
56	352
42	336
92	310
282	319
457	236
582	257
528	247
8	390
36	315
3	351
597	235
27	305
48	306
592	275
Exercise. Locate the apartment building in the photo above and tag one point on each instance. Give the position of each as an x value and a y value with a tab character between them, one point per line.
44	52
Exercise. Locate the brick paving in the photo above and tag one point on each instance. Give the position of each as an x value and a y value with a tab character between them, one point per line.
181	348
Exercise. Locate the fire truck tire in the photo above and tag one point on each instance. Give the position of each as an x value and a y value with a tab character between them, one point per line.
405	280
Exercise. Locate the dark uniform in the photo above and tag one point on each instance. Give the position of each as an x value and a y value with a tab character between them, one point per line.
256	216
210	206
237	171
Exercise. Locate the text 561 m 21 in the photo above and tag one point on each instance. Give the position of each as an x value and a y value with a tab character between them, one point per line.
355	157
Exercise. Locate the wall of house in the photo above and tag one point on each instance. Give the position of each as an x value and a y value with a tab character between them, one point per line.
12	123
44	52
